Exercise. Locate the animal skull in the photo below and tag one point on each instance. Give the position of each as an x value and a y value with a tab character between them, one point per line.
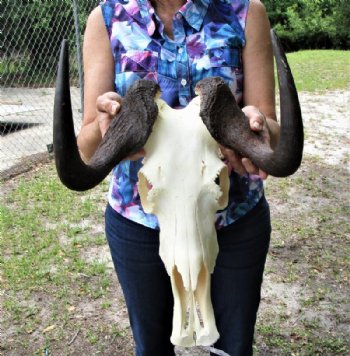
184	182
181	167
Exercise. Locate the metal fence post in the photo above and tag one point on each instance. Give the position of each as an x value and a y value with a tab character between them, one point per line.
78	47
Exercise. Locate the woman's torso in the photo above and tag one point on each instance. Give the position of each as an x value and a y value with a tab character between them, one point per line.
208	37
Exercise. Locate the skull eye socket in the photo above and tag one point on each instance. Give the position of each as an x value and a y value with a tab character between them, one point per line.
223	183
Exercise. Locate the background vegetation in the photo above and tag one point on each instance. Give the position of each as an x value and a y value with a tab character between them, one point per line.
305	24
33	30
31	34
302	24
42	22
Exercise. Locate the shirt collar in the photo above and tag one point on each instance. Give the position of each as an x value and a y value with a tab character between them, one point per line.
141	11
193	11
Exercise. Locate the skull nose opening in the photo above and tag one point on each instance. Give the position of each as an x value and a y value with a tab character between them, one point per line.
190	303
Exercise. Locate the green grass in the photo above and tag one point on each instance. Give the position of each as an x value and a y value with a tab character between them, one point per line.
300	341
32	220
320	70
45	233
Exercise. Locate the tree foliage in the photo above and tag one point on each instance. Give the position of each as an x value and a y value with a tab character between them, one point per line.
304	24
36	27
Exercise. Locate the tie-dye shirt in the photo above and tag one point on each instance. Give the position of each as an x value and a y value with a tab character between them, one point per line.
208	36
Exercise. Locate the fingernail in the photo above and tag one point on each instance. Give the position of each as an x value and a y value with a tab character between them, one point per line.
257	125
114	108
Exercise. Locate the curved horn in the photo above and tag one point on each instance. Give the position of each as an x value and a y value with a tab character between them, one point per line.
230	127
127	134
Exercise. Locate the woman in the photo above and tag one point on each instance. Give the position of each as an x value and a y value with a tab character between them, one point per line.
177	43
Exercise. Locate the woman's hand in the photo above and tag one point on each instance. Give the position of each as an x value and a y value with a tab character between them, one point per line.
243	165
107	106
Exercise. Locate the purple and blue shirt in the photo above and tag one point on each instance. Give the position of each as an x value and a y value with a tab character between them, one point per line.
208	37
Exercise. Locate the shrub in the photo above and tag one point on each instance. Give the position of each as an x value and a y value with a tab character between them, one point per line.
305	24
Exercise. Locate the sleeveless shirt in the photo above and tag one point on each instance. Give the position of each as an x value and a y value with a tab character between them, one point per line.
208	37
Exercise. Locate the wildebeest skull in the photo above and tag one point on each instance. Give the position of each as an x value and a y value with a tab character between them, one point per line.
182	181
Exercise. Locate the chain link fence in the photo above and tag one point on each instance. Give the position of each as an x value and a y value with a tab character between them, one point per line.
30	35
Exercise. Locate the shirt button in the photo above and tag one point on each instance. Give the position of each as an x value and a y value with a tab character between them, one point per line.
179	16
183	82
180	50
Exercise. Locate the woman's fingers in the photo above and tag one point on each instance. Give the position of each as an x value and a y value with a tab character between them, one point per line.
108	103
107	106
233	160
251	168
243	165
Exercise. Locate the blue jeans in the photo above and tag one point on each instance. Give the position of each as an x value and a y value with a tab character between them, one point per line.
236	281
